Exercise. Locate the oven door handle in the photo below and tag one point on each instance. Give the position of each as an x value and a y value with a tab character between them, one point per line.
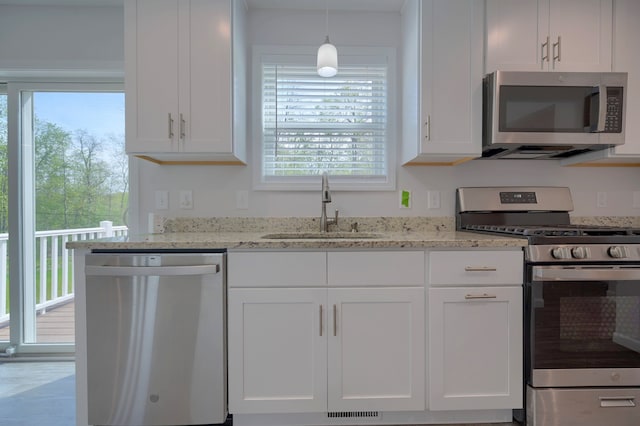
584	273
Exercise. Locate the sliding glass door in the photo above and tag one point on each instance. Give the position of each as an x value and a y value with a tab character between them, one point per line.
71	182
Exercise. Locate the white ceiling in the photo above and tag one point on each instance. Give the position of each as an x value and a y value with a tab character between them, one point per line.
371	5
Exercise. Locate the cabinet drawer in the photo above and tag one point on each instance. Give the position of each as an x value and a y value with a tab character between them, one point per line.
475	267
277	269
387	268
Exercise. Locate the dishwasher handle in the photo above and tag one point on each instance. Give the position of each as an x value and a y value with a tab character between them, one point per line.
163	271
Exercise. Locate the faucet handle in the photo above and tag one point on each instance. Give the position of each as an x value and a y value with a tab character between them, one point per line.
335	220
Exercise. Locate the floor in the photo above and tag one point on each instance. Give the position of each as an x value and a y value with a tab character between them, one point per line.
43	394
37	394
56	325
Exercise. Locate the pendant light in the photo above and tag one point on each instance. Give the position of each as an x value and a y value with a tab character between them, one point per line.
327	53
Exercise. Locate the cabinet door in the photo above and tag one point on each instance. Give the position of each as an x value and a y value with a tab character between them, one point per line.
516	35
555	35
451	77
376	349
277	350
475	348
627	59
580	35
205	78
151	70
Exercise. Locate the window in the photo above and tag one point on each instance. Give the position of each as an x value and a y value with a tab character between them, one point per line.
310	124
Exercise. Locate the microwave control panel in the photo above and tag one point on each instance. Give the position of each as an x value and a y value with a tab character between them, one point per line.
613	122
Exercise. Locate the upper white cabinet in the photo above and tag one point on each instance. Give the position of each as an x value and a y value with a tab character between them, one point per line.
625	59
442	81
554	35
185	78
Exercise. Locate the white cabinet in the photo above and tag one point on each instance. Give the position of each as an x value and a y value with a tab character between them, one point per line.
277	350
184	78
475	340
331	347
475	330
442	81
625	59
376	349
554	35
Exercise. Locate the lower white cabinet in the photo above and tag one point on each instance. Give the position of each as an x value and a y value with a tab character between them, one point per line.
277	350
475	348
332	347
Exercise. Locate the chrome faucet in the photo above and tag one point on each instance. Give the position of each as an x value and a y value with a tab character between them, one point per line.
326	198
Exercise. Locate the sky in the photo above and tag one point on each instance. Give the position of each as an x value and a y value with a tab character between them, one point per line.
98	113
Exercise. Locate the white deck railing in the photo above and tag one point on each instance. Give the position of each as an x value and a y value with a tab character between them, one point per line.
55	266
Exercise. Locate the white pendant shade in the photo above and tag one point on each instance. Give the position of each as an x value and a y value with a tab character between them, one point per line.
327	59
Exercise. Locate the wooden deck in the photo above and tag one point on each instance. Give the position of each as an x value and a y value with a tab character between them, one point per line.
54	326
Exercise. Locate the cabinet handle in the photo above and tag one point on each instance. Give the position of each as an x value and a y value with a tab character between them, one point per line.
321	321
556	45
335	320
428	125
545	46
182	127
170	126
480	296
480	269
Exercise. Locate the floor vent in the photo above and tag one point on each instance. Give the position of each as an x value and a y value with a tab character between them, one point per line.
352	414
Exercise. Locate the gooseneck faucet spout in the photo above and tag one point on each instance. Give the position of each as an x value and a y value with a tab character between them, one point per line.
326	198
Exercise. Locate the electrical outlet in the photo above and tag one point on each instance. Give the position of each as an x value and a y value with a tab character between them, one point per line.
162	200
242	200
433	199
601	199
405	199
186	199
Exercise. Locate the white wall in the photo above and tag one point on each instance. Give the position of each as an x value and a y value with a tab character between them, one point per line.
76	38
68	38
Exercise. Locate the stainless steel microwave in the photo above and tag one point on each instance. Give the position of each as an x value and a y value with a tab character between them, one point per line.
547	115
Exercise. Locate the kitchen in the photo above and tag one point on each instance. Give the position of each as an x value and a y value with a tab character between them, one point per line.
215	189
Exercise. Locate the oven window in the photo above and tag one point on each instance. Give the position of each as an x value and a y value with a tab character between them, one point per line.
585	324
544	109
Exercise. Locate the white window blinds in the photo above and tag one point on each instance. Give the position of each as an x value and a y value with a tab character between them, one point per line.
312	124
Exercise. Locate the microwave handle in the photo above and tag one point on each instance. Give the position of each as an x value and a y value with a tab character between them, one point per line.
600	96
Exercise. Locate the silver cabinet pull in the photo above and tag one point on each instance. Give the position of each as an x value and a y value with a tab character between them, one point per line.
617	401
480	296
556	57
170	126
545	46
321	321
335	320
182	127
480	269
428	125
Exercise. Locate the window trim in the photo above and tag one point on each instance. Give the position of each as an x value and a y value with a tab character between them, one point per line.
292	54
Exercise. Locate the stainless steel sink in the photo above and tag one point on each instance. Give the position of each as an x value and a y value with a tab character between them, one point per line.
319	235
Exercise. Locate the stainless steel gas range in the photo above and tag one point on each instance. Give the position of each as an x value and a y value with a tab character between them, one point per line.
581	305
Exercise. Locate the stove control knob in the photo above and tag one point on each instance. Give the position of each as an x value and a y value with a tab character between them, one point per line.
561	253
579	253
617	252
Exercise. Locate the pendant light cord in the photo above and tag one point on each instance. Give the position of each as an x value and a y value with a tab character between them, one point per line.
326	19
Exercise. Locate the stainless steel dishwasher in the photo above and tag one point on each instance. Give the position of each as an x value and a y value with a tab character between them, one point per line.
156	338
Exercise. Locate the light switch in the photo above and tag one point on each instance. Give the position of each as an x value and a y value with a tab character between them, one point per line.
162	200
433	199
186	199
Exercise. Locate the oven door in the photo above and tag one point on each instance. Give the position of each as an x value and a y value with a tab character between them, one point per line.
583	325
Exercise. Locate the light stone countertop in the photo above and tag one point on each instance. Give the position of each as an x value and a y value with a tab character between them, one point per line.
255	240
393	232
